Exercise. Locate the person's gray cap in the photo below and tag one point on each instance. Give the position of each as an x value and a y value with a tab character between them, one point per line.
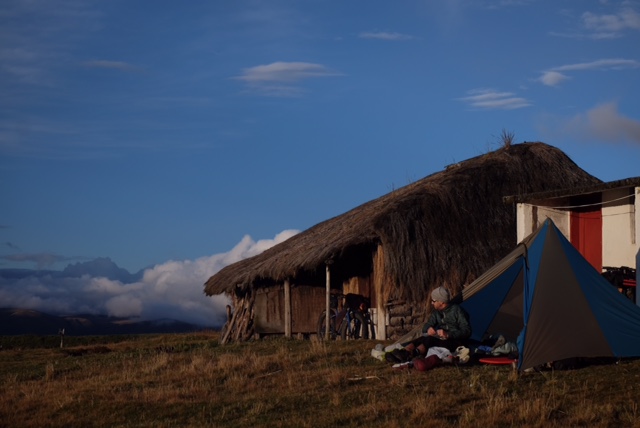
441	294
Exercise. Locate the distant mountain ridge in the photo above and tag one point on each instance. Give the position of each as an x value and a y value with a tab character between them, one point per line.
15	321
100	267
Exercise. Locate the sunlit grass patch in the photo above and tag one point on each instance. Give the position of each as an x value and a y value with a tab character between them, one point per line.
189	380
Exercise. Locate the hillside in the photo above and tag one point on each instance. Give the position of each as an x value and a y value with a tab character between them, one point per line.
25	321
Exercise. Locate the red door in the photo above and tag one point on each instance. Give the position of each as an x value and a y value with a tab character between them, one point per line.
586	236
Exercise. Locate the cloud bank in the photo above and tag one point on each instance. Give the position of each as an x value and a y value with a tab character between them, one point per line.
605	26
172	290
490	99
554	76
608	26
603	123
282	79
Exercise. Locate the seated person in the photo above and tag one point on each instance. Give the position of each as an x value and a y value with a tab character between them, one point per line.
447	327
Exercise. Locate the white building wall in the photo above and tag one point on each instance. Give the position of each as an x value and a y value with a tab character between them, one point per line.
637	226
619	243
527	214
523	220
562	219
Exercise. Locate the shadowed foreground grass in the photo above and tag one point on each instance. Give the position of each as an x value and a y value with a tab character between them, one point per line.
189	380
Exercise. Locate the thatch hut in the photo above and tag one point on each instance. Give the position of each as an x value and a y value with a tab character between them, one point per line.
445	229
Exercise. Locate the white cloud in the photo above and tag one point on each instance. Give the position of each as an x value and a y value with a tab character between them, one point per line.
626	18
124	306
105	287
601	64
552	78
603	123
382	35
491	99
606	123
604	26
277	78
174	289
555	75
284	72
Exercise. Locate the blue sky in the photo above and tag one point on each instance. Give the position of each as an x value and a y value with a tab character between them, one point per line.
163	133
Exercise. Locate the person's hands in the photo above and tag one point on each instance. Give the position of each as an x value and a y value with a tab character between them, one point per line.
442	334
431	332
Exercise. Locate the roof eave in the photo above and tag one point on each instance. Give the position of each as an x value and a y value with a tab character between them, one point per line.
562	193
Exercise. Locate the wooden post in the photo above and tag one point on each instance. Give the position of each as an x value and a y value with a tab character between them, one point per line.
231	323
327	318
381	318
61	333
287	308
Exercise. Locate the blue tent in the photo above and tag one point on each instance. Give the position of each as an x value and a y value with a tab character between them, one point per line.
548	299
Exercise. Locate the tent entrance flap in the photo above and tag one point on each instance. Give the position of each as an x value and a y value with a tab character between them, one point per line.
498	309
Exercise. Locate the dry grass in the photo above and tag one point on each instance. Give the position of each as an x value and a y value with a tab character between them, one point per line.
189	380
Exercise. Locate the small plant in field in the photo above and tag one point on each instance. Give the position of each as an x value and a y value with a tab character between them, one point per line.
318	347
50	372
513	376
629	415
475	382
335	378
426	405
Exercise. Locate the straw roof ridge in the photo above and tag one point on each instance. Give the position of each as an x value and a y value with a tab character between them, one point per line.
446	228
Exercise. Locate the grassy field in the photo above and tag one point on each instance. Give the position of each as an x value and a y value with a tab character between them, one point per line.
190	380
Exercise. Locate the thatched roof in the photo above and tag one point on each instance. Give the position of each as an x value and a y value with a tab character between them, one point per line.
446	228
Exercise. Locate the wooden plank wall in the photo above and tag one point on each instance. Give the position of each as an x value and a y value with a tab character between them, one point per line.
307	303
